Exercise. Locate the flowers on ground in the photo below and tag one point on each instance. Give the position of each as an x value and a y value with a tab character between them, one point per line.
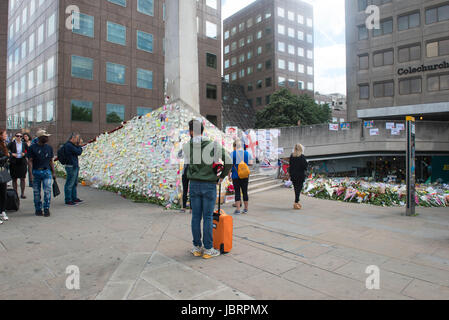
379	194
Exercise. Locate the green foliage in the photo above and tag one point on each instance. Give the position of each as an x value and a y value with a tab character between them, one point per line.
286	109
81	114
113	117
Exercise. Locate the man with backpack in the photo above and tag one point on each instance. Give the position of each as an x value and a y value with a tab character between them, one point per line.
241	160
68	155
209	164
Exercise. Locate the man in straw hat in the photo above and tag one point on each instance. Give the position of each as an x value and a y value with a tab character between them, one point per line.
41	165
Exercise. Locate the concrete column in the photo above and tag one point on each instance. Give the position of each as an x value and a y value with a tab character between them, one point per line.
181	52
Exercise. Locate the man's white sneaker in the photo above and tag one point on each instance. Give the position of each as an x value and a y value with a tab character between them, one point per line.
1	222
4	216
211	253
197	251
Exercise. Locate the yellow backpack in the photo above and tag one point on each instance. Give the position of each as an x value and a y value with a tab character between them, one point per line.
242	169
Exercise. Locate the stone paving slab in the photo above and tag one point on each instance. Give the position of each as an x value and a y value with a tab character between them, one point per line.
128	250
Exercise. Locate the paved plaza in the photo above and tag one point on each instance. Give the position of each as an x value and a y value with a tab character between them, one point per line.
127	250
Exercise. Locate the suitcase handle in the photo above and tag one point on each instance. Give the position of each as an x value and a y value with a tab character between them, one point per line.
219	199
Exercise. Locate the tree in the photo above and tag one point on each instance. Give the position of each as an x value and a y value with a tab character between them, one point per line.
113	117
286	109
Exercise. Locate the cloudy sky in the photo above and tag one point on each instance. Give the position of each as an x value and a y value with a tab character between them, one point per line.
330	61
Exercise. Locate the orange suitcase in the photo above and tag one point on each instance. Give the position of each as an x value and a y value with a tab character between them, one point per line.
222	232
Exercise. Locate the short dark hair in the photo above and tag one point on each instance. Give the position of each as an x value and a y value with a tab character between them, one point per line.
28	135
195	124
73	134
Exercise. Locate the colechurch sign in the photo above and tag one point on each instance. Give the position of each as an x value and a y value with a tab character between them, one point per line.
423	68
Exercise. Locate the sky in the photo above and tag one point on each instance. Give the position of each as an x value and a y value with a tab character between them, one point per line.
330	47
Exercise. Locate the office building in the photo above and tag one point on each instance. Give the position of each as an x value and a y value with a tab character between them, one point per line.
89	76
337	104
3	59
402	67
269	45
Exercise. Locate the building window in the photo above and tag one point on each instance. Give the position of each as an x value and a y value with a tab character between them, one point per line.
281	81
281	64
383	89
116	33
259	84
300	19
259	18
437	14
233	46
409	53
226	64
268	14
250	70
142	111
309	38
115	73
211	91
410	86
39	113
226	35
291	32
309	54
267	99
51	25
259	34
233	61
301	68
82	68
119	2
281	12
144	79
242	27
291	16
364	62
211	30
291	49
212	119
250	87
268	65
212	4
241	43
234	76
259	101
383	58
50	68
291	66
363	32
281	46
249	23
211	60
409	21
226	49
301	85
31	43
259	67
40	74
50	111
115	113
40	35
268	82
249	55
86	25
145	7
437	48
144	41
292	83
31	79
267	31
438	83
310	71
386	27
281	29
300	52
364	91
259	51
81	110
241	58
249	39
30	116
242	73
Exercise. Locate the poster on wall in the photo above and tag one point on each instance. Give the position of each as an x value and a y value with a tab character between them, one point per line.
345	126
390	125
395	131
232	131
369	124
374	132
333	126
400	126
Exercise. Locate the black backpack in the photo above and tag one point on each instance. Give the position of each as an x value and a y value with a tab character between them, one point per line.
62	156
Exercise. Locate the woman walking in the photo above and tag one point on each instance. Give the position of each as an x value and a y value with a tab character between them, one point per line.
27	139
297	171
240	183
18	163
4	157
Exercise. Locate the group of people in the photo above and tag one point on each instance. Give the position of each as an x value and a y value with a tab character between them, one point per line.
200	179
35	157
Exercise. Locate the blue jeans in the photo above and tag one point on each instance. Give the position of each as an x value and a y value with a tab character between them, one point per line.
71	183
42	178
202	200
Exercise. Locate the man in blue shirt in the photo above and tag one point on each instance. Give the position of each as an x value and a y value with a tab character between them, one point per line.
41	165
72	150
237	157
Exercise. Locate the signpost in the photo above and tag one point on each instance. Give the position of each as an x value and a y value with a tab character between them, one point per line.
410	160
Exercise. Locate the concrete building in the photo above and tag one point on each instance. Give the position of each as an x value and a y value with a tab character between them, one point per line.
337	103
269	45
89	77
3	59
236	109
402	68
